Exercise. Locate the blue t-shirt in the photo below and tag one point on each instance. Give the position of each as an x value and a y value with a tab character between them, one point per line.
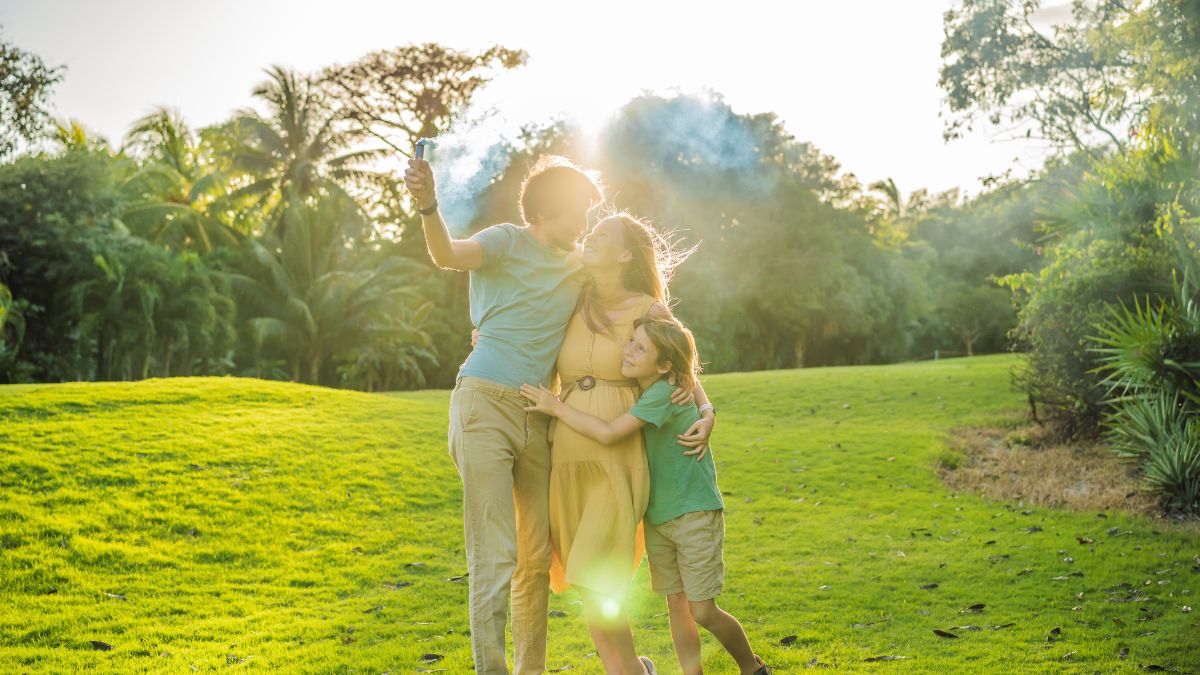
521	301
678	484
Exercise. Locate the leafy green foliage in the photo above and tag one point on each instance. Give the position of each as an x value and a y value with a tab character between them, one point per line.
790	270
1116	202
108	305
1078	80
1110	241
1151	359
310	297
413	91
297	152
170	199
25	85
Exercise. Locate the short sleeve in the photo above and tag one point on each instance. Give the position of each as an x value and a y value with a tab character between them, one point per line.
654	407
495	242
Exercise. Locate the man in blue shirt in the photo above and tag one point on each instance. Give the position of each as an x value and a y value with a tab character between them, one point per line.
525	281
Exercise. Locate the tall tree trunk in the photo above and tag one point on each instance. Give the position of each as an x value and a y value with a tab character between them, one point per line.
101	357
313	366
185	365
147	359
968	338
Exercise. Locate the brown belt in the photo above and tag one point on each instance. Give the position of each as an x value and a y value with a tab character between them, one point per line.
587	382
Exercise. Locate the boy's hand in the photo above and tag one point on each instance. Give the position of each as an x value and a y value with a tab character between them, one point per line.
418	178
543	400
696	437
474	336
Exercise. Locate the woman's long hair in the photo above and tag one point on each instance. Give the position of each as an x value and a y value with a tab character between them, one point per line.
649	272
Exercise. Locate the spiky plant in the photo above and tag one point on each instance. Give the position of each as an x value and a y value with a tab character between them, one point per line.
1150	356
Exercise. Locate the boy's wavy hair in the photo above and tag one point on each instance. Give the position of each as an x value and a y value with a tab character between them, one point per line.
655	258
675	344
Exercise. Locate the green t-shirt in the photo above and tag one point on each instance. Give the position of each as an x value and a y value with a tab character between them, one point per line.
678	484
521	300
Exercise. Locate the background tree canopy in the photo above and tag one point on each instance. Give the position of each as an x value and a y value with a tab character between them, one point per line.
25	84
279	242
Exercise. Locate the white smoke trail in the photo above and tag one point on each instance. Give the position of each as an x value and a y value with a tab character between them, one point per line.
465	160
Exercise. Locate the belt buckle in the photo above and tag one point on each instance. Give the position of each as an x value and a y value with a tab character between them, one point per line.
587	382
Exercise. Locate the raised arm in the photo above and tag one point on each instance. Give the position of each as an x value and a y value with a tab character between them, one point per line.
447	252
605	433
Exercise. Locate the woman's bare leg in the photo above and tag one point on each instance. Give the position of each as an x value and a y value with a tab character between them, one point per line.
611	634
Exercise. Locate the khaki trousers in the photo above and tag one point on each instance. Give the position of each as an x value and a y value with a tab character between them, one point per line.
503	457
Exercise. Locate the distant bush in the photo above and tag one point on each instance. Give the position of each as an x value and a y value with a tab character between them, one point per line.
1109	241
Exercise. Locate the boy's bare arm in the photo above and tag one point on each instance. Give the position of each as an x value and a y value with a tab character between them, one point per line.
605	433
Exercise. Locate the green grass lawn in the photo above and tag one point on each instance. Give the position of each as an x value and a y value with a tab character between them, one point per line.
210	523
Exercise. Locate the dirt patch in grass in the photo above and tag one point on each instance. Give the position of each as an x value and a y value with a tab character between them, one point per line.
1025	464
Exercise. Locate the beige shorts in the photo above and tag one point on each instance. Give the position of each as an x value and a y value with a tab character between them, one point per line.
685	555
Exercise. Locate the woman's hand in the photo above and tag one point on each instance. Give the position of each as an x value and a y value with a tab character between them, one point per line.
683	397
697	436
543	400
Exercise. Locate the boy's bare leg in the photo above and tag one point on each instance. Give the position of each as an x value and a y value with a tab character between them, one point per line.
728	632
684	634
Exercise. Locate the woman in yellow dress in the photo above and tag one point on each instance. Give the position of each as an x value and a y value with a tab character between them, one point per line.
598	493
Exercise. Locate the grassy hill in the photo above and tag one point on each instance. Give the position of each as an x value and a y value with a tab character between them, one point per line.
219	522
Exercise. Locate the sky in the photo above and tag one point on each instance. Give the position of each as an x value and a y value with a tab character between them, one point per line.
857	78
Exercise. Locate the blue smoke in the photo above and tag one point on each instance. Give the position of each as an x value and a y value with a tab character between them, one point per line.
686	138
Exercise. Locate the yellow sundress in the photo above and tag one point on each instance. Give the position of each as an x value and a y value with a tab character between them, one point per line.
598	493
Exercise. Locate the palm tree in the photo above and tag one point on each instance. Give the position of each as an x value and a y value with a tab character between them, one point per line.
72	135
312	297
170	198
134	310
113	313
295	153
893	201
307	292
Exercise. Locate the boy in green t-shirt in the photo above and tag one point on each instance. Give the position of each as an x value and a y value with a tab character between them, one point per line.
684	523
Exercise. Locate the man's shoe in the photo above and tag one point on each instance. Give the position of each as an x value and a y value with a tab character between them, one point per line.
648	665
765	669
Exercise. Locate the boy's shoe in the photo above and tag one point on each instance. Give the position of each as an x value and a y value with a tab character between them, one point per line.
765	669
648	665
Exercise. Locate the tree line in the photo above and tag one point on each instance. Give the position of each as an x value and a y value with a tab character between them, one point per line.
277	243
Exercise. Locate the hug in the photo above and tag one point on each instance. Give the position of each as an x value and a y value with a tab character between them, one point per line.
580	429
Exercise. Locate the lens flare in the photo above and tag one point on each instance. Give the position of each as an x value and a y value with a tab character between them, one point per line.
610	609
